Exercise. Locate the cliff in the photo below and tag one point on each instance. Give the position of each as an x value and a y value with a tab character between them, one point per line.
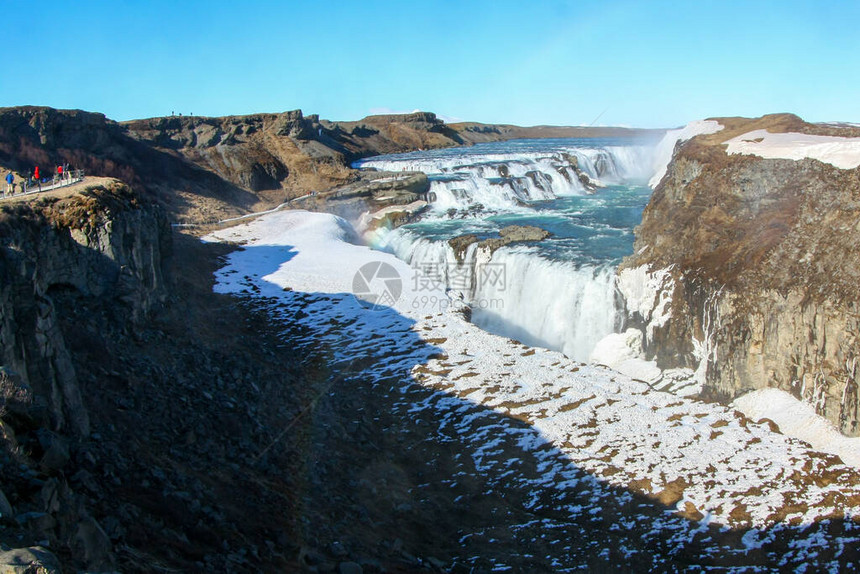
98	252
101	243
133	399
747	270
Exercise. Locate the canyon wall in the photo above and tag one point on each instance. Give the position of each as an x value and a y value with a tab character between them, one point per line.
104	243
747	269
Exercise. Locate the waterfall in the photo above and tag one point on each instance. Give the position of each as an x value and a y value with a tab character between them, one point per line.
505	181
560	293
516	293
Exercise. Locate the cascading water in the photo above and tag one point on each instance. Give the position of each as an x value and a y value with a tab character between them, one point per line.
501	180
559	292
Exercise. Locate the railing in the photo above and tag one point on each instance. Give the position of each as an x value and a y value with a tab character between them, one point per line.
34	186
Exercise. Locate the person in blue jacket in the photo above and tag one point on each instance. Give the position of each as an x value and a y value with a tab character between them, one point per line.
10	184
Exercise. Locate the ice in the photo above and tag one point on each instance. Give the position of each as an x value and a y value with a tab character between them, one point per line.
623	352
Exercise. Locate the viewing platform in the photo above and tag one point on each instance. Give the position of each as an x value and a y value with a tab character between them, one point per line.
33	189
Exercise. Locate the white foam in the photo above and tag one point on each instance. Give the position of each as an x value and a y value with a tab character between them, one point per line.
516	293
841	152
502	181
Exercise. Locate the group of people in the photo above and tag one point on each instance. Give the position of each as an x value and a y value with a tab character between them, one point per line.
35	178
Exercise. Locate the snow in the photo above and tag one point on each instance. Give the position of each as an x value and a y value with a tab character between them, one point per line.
587	429
798	419
313	252
623	352
841	152
666	147
648	292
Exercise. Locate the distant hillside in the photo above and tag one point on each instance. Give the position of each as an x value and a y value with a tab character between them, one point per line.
204	169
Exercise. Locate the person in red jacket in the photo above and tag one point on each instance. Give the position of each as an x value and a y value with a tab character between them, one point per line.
60	172
38	179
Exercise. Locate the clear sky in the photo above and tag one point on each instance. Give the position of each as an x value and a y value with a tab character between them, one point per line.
528	62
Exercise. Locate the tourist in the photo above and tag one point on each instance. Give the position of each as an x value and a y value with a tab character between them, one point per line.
10	184
38	179
60	172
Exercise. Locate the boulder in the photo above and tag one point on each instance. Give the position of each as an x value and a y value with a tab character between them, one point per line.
56	456
94	545
33	560
507	235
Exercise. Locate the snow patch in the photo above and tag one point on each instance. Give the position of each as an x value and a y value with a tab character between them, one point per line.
840	152
623	352
797	419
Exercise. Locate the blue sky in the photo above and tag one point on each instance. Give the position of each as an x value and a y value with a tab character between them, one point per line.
648	64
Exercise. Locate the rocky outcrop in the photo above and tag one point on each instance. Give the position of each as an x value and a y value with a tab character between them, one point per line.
507	235
747	270
37	136
376	199
102	243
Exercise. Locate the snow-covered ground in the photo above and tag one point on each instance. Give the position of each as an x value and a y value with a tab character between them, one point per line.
589	425
841	152
798	419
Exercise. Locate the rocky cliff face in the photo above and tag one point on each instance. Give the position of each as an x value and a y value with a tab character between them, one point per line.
103	243
752	271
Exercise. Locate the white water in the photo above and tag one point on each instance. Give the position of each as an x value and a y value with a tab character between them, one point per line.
517	293
557	299
503	181
666	148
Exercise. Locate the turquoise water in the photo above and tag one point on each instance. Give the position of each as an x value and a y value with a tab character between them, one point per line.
481	188
586	230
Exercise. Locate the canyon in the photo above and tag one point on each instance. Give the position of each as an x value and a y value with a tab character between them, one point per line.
140	407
